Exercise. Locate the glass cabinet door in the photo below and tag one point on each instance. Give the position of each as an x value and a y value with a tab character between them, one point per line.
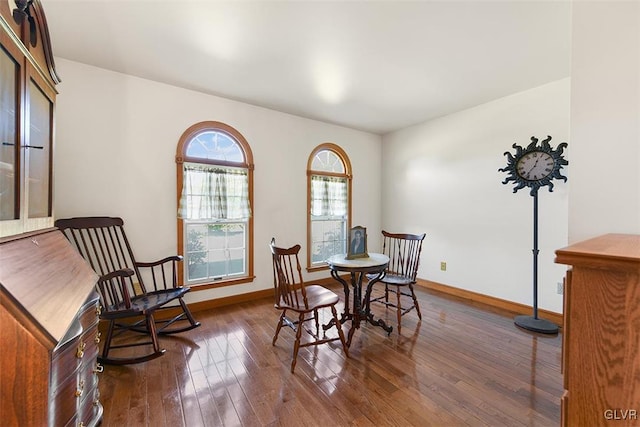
38	153
27	100
9	116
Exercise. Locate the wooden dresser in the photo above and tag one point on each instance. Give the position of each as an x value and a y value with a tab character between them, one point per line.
601	348
49	333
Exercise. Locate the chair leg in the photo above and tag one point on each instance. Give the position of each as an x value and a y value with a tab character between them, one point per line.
315	316
185	315
340	332
296	345
107	340
399	310
151	327
280	322
152	333
415	302
187	312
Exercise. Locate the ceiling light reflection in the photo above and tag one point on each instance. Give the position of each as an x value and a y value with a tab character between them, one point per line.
216	35
329	80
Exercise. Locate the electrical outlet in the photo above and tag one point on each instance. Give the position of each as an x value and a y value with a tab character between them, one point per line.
443	266
560	288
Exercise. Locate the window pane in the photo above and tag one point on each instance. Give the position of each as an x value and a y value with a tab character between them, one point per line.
327	161
196	255
213	145
236	238
216	251
217	263
328	238
236	261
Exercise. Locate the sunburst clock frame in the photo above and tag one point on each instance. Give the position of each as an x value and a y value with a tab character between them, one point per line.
534	167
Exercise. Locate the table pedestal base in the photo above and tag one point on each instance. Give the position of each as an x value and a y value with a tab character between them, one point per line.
361	310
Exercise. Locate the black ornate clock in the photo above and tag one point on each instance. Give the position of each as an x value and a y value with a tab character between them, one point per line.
535	166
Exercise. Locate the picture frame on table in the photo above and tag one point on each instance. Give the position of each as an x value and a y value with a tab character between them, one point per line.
357	243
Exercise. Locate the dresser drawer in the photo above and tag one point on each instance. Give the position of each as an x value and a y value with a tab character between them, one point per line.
77	344
90	410
63	402
88	378
68	359
88	315
74	368
78	394
65	363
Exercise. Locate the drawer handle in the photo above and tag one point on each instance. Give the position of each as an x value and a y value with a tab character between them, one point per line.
97	339
98	310
80	388
98	369
80	424
80	350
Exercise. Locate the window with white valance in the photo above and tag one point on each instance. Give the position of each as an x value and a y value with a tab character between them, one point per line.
215	222
329	199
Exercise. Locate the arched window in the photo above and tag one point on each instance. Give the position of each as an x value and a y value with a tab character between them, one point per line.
329	203
215	196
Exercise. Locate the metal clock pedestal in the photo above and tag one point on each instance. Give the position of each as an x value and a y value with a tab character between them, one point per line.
534	323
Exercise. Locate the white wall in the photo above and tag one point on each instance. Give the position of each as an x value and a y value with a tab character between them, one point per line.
441	177
605	119
116	140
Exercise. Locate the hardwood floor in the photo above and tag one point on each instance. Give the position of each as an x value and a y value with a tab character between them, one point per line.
461	365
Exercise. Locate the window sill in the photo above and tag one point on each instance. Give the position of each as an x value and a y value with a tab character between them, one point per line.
317	268
221	283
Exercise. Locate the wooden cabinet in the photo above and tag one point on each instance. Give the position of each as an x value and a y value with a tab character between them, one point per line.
49	315
27	100
601	348
48	305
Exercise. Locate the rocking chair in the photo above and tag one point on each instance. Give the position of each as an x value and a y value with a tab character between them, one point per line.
128	303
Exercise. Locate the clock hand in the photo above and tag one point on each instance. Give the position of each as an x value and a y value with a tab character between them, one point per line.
533	167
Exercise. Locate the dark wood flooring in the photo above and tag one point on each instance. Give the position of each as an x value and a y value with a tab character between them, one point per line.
461	365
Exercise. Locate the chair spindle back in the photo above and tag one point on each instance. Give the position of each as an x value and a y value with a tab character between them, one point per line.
102	242
287	277
403	251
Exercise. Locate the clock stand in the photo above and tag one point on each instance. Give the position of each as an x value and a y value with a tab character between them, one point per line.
535	166
534	323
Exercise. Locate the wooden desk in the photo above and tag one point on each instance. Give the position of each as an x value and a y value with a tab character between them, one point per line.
374	267
49	315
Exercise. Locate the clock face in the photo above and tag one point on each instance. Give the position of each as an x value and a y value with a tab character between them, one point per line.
535	165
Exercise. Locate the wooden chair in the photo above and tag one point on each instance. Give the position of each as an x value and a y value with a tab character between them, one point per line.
403	251
131	292
292	294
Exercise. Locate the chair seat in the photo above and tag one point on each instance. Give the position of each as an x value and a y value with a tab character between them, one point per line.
396	279
149	301
317	297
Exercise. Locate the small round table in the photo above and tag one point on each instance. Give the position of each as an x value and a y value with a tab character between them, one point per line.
372	267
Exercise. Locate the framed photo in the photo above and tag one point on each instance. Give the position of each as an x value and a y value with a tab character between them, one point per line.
357	247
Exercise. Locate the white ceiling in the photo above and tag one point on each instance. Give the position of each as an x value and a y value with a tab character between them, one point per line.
377	66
